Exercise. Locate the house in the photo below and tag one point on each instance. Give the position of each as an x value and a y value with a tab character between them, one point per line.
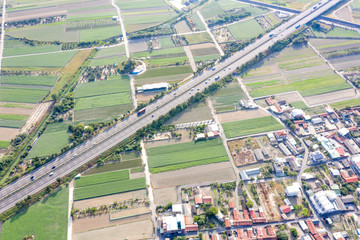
297	113
207	199
336	189
280	136
347	199
285	209
198	200
284	149
173	224
293	163
349	176
334	172
272	138
200	136
303	226
192	228
279	167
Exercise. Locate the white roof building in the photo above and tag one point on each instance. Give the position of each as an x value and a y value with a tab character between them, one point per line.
214	127
324	201
153	87
173	224
296	113
293	190
343	132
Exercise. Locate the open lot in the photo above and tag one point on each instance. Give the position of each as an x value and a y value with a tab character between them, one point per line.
227	98
184	155
199	174
240	115
251	126
51	141
46	219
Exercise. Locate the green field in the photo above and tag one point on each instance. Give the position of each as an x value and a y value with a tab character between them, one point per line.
108	60
163	57
59	59
99	33
24	95
98	88
110	51
299	105
13	116
227	98
17	47
251	126
211	10
166	42
342	32
92	115
349	103
199	24
164	74
29	80
183	155
115	166
11	123
51	141
198	38
246	30
306	87
109	188
46	219
125	4
100	178
102	101
4	144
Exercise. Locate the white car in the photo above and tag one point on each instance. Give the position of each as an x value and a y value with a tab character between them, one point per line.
52	173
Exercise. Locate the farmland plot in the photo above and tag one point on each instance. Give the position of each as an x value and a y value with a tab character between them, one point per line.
100	178
163	57
227	98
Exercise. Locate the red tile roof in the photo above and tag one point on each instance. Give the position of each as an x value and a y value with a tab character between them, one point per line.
252	213
207	199
191	228
349	179
231	205
285	209
311	227
240	233
198	200
236	214
213	237
227	223
341	151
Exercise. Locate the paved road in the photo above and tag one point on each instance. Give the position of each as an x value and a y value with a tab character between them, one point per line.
73	159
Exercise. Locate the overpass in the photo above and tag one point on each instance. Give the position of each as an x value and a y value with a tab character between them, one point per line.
285	9
83	153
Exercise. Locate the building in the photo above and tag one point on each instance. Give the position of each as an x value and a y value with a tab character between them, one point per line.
280	136
330	146
177	208
154	87
293	190
284	149
317	157
336	189
349	176
351	146
285	209
347	199
316	121
258	155
325	202
253	171
334	172
343	132
200	136
272	138
297	113
294	164
207	199
303	226
247	104
173	224
279	164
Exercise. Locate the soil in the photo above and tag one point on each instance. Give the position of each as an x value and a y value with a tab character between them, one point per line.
137	230
163	196
199	174
94	202
241	154
330	97
124	213
240	115
8	133
11	110
184	138
289	97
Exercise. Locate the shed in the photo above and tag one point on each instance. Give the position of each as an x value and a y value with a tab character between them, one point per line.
285	209
177	208
258	155
303	226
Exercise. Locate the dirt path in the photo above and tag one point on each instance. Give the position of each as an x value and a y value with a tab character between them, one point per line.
190	57
133	90
224	141
37	114
71	197
210	33
2	32
144	158
123	29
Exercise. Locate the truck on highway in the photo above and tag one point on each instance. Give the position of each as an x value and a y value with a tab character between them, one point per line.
141	112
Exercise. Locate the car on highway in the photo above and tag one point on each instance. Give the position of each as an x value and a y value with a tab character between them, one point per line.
217	78
32	178
53	167
213	69
52	173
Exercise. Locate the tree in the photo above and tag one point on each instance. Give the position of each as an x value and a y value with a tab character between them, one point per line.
249	204
294	232
211	212
282	236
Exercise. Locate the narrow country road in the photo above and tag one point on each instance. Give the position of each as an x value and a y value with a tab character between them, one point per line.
123	29
2	33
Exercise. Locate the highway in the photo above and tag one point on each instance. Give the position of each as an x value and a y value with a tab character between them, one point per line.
74	158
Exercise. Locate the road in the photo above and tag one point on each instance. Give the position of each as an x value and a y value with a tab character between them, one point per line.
78	156
2	33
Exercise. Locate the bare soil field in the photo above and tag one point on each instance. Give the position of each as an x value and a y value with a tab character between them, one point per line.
203	49
11	110
240	115
345	62
132	231
330	97
344	13
94	202
138	45
34	13
144	97
163	196
36	116
197	112
199	174
8	133
137	175
241	152
289	97
124	213
182	27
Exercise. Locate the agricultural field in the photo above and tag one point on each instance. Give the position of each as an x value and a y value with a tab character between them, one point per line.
4	144
102	100
184	155
22	94
111	176
204	52
240	30
12	120
51	141
194	113
296	68
337	32
46	219
142	14
251	126
294	4
227	98
198	38
108	56
17	47
162	57
46	80
347	103
103	189
164	74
